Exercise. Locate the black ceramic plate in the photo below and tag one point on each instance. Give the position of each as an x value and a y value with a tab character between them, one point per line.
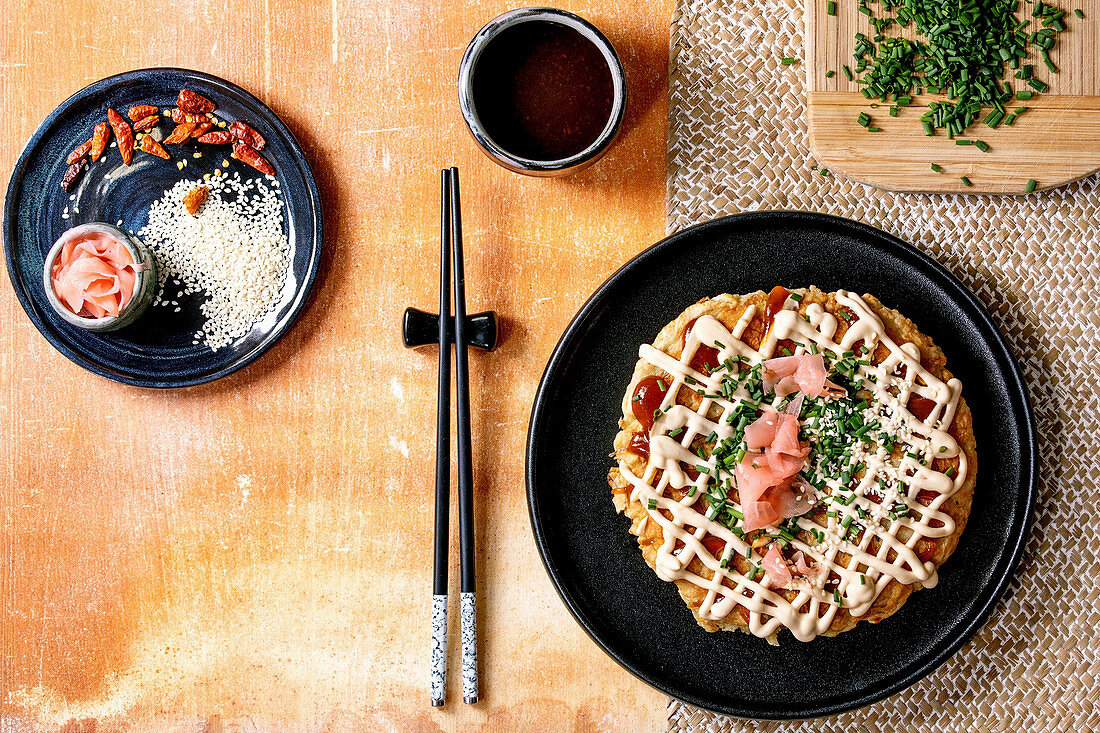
595	563
156	351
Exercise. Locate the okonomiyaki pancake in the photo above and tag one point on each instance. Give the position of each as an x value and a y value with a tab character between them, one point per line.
794	459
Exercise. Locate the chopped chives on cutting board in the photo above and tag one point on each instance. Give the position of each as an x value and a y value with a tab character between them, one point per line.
956	66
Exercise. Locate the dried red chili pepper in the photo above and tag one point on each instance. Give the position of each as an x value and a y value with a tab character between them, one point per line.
147	123
182	132
151	146
72	174
201	129
179	117
79	152
247	135
194	103
218	137
123	134
99	140
195	198
247	155
142	111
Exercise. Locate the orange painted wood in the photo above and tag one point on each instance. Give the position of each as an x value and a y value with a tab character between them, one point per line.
255	554
1056	141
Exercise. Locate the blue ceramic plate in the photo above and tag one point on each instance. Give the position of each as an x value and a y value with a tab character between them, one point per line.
157	350
639	619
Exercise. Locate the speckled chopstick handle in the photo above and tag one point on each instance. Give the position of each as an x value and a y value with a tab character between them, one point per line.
468	612
438	679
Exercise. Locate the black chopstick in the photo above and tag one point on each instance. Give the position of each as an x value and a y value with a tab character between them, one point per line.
438	683
468	597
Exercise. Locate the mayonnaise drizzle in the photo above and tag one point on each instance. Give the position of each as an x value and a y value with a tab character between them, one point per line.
865	575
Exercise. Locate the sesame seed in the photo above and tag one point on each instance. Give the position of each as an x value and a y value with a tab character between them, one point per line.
235	251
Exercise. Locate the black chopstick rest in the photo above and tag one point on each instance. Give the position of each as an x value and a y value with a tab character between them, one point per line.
420	328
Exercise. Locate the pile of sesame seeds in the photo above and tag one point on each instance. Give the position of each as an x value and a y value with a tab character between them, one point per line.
234	251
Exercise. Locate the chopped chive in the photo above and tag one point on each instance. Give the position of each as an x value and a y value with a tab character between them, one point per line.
652	504
830	74
847	73
1031	184
936	168
1049	64
1023	94
787	61
830	8
981	145
965	181
1079	13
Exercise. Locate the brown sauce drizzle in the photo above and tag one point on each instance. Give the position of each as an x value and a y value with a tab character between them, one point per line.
776	299
647	399
705	359
921	407
715	546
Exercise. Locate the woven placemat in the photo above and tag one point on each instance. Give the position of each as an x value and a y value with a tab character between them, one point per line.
737	142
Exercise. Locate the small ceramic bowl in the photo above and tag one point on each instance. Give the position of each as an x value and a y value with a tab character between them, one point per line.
516	163
144	283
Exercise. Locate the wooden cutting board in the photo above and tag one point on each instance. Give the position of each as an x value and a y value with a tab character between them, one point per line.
1056	141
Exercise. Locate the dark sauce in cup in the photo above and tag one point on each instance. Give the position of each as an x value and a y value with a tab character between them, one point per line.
542	90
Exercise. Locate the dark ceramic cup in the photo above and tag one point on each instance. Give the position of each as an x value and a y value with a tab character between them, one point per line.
468	102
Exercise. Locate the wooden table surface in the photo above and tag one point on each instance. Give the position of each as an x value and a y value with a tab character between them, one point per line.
254	554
